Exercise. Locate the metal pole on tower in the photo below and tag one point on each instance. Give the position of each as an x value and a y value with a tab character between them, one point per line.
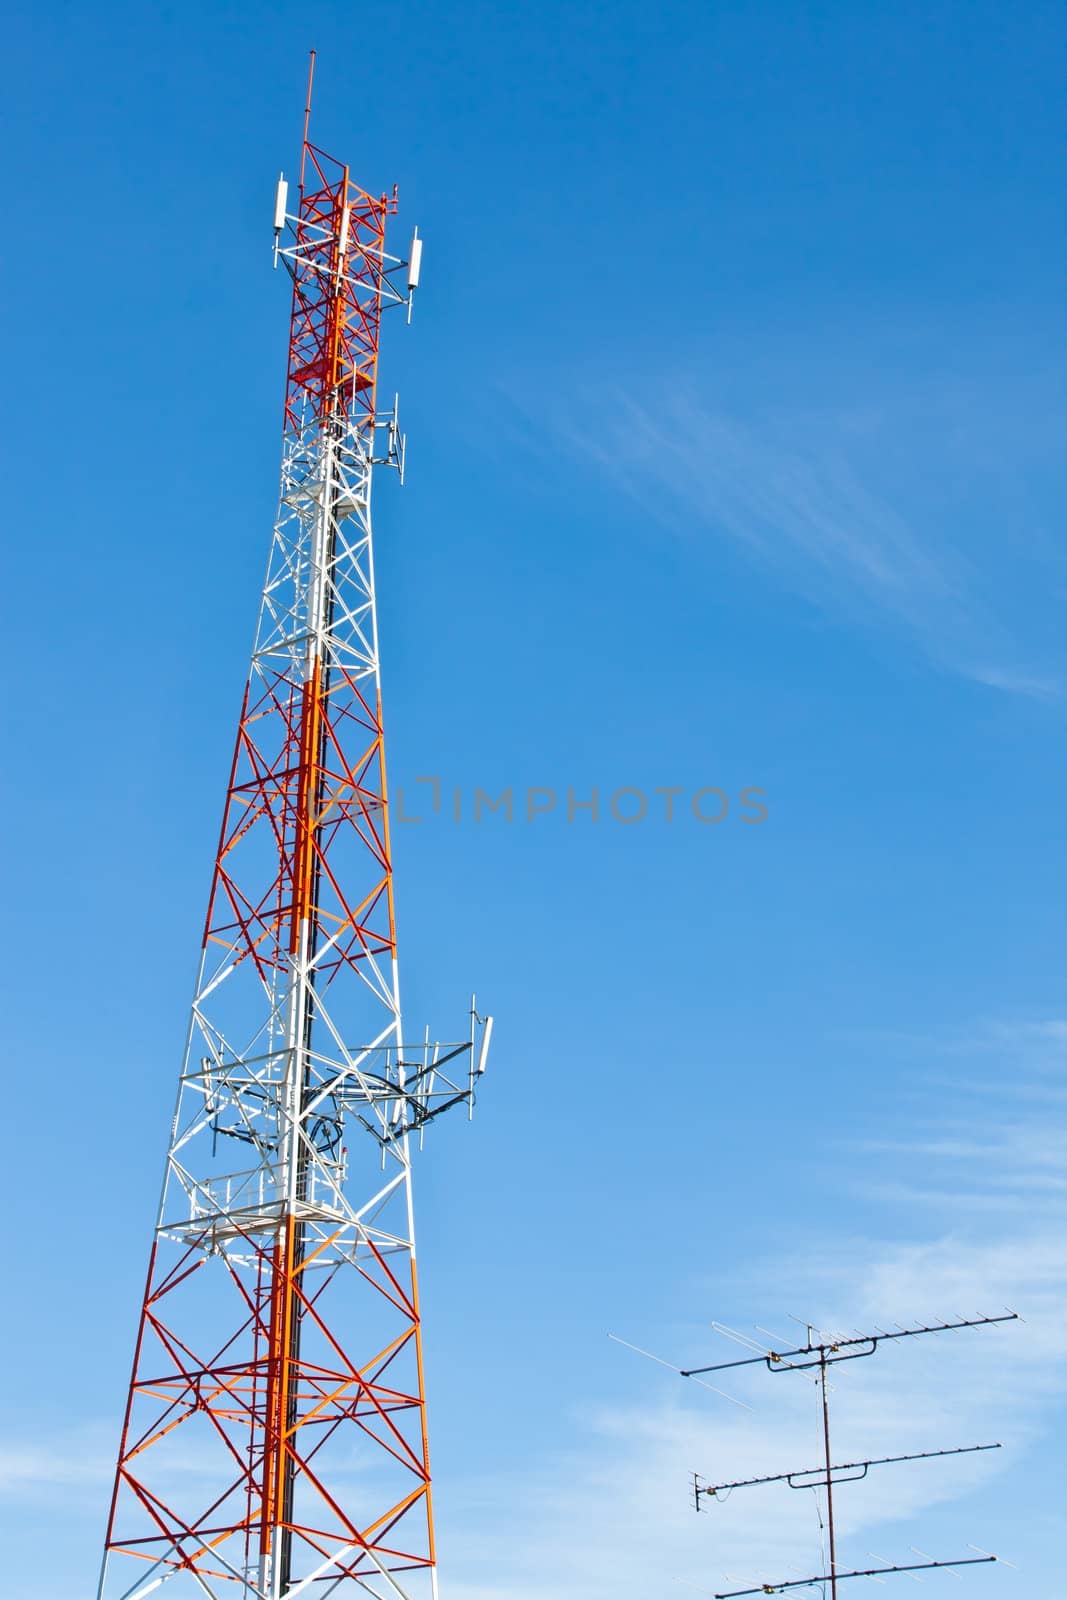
275	1438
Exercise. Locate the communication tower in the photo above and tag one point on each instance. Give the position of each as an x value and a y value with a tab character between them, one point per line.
274	1441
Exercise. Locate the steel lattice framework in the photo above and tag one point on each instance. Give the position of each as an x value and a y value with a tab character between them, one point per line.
263	1454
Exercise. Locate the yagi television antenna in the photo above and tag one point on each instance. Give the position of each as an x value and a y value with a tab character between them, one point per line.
814	1359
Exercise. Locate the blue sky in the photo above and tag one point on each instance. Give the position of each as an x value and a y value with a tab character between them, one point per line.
735	401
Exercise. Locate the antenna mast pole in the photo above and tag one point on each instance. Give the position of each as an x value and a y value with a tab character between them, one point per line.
829	1473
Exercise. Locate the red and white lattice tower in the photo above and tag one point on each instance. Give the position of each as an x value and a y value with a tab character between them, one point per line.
274	1442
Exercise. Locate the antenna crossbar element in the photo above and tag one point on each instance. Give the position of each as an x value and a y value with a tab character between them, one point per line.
815	1477
865	1572
833	1350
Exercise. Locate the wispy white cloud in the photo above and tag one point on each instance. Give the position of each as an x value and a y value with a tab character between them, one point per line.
80	1460
796	498
979	1136
1039	688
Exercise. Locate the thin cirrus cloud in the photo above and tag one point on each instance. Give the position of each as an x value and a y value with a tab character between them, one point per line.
794	494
